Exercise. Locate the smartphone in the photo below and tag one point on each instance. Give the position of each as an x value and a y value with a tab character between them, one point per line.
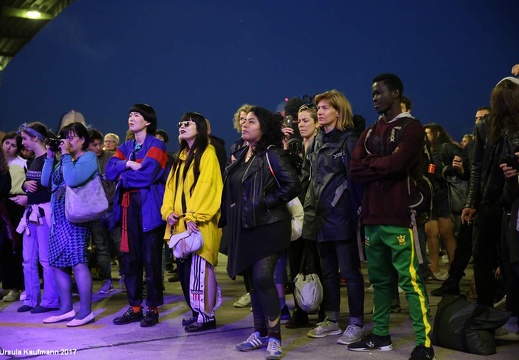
287	121
513	162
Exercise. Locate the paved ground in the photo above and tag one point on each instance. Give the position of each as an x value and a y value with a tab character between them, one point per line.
22	333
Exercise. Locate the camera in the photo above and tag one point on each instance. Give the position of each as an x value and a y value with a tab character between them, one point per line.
53	143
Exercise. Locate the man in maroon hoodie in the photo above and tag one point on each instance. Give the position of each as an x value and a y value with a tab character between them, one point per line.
386	159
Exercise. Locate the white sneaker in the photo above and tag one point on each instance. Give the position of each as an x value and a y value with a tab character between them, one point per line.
444	259
243	301
23	296
274	350
324	329
370	289
441	276
352	334
507	333
13	295
500	303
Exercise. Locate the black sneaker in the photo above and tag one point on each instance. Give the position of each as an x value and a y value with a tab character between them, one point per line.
128	317
449	287
371	343
150	319
284	313
422	353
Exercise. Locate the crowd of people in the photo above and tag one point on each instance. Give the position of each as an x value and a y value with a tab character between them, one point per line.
384	194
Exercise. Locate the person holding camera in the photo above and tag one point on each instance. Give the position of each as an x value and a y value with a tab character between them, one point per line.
68	241
35	225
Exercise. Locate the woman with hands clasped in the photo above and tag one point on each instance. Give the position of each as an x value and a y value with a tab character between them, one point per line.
68	241
192	203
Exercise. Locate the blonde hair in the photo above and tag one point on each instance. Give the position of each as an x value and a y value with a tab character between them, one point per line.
236	121
339	102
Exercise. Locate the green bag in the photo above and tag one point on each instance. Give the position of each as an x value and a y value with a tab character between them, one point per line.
465	326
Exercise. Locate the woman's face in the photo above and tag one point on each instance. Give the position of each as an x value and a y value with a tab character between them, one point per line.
29	142
243	118
10	148
75	143
306	124
187	130
327	115
464	142
136	122
430	135
251	129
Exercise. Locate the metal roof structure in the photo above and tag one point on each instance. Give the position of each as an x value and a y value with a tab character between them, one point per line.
20	21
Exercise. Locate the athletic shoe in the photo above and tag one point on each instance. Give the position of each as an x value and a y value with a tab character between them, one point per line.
371	343
441	276
274	350
13	295
352	334
507	333
500	303
23	296
325	328
444	260
299	319
422	353
107	287
150	319
243	301
253	342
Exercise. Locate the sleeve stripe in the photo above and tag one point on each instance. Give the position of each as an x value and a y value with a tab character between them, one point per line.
159	155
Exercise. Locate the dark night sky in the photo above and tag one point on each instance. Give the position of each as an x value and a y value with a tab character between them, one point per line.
99	57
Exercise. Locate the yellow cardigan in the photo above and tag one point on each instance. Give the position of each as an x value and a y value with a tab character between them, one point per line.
202	205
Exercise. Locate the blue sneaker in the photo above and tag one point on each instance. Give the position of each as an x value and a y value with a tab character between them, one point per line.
274	350
252	343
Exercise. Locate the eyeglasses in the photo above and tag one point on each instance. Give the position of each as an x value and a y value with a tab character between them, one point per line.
185	123
308	106
109	141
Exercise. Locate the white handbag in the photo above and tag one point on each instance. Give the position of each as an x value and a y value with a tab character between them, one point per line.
185	243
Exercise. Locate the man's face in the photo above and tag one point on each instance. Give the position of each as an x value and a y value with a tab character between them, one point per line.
480	114
383	98
403	107
96	146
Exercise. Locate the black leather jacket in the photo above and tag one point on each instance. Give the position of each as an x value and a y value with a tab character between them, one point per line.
264	202
332	199
486	178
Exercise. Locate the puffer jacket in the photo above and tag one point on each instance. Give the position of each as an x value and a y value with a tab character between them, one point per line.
332	199
264	202
486	178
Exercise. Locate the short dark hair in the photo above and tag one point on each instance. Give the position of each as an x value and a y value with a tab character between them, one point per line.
407	102
487	108
163	134
78	129
149	114
95	135
392	82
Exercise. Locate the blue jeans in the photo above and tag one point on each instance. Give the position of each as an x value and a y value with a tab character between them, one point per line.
343	255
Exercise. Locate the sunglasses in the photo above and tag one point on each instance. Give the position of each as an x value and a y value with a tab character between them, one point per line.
184	123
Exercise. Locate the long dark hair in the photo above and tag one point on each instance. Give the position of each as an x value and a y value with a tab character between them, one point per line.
271	133
440	135
194	154
504	115
4	167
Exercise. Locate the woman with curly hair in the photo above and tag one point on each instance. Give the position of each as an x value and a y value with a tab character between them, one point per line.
257	187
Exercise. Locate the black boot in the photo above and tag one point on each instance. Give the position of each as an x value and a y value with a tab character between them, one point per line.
449	287
299	319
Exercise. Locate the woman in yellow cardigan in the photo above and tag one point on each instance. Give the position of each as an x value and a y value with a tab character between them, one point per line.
192	202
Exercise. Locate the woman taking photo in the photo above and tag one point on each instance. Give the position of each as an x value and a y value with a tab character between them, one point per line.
36	232
68	241
257	189
192	202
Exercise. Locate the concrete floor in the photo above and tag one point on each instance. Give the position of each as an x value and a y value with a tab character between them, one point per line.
22	333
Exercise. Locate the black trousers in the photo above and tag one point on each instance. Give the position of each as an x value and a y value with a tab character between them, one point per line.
145	252
487	236
463	252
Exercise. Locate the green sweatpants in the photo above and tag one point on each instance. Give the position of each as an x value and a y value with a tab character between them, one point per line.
388	246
